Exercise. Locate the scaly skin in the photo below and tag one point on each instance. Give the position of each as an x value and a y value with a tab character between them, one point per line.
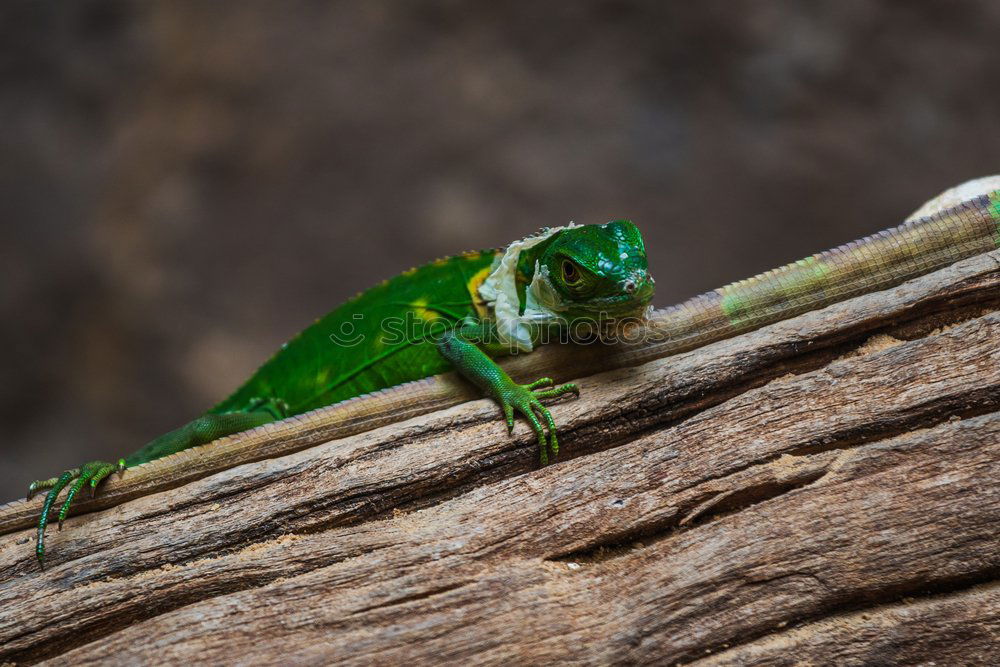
413	326
512	397
876	262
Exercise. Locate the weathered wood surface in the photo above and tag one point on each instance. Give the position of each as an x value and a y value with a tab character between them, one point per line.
825	489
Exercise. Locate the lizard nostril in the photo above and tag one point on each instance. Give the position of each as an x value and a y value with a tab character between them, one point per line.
629	286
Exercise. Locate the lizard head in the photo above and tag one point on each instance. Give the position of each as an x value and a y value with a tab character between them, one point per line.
594	271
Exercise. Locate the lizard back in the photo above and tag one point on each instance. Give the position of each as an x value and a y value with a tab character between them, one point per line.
378	339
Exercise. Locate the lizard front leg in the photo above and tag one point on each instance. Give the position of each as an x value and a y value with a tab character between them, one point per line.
476	366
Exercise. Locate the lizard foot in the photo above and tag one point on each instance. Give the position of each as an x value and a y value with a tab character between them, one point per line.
92	473
526	399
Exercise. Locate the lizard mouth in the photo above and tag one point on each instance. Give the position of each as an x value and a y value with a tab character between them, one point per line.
621	317
633	302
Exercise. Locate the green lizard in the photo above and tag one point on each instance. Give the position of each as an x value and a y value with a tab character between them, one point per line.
496	302
459	312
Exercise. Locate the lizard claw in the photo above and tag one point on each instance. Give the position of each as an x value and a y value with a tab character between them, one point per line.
40	484
92	473
525	400
95	480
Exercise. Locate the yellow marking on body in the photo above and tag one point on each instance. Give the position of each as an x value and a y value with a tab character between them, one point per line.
473	286
420	308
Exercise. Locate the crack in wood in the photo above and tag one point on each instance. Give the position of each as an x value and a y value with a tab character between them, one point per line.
415	597
700	509
712	504
747	496
879	602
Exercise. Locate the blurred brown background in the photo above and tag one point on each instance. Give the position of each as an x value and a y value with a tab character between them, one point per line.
185	185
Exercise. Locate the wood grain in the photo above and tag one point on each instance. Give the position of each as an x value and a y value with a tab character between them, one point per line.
823	489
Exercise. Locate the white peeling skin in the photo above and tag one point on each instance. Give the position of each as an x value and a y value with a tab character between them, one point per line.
542	300
954	196
499	291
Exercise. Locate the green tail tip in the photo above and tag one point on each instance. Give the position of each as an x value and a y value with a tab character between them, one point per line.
995	213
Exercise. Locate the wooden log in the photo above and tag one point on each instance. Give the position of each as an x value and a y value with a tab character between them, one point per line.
824	489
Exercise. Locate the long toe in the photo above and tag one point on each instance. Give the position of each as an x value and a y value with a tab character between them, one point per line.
40	484
102	472
43	520
73	490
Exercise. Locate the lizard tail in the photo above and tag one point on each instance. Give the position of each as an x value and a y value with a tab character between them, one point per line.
916	247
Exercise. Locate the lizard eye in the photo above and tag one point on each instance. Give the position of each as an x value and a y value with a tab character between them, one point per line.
571	274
